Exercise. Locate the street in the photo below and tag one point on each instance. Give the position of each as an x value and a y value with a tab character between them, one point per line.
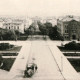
47	56
47	68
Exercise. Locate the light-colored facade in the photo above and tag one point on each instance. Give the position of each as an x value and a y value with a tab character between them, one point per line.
15	23
14	26
1	22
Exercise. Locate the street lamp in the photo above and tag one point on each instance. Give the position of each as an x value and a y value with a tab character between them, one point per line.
61	63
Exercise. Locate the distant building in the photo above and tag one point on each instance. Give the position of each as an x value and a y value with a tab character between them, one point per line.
51	20
69	27
15	23
14	26
1	22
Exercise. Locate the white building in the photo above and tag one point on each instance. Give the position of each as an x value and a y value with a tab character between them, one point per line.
17	24
1	22
14	26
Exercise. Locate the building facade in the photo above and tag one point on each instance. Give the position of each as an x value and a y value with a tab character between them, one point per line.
15	23
69	28
14	26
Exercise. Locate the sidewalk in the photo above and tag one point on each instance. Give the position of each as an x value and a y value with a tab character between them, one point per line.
66	68
20	62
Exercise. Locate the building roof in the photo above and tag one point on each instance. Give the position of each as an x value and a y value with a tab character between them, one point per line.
74	22
7	23
69	18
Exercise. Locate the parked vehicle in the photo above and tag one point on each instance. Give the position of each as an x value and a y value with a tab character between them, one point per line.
30	70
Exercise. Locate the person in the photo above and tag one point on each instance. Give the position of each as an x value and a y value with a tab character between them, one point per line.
34	67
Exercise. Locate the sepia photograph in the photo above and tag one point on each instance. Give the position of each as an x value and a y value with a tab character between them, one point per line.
39	39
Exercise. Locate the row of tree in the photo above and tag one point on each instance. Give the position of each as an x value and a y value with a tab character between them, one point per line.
6	34
51	31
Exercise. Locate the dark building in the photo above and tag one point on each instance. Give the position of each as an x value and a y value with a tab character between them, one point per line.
69	28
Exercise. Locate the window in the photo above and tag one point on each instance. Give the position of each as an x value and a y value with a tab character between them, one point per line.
66	37
66	26
73	31
9	27
18	27
66	31
14	27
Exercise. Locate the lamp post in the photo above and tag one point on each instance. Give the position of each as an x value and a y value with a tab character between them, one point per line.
61	63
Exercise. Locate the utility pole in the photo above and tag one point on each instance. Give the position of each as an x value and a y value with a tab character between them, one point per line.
61	63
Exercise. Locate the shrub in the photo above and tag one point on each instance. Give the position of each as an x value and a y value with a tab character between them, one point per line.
5	46
7	63
7	34
72	46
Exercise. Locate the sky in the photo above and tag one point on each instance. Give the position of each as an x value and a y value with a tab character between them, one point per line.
40	7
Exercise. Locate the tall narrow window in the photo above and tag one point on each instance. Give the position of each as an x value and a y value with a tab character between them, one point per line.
14	27
18	27
9	27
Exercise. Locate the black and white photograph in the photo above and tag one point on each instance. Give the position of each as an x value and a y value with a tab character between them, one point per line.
39	39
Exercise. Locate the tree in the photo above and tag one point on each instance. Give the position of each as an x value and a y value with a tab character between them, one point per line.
17	32
32	29
48	27
7	35
27	31
42	28
72	46
53	33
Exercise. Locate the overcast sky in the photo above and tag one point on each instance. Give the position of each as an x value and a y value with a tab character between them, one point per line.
40	7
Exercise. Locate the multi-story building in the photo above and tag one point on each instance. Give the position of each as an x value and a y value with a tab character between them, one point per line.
14	26
69	27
